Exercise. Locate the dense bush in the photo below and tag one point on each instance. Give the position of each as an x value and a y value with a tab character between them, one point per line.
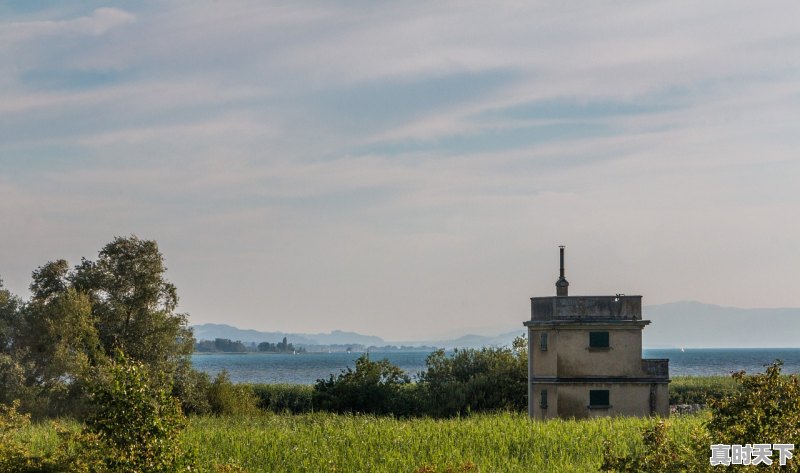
226	398
280	398
14	457
192	389
135	428
475	380
136	425
764	409
467	381
375	387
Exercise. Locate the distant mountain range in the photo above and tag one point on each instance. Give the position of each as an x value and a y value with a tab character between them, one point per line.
674	325
337	337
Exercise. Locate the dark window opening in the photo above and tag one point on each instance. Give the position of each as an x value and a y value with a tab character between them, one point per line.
543	399
543	341
599	398
598	340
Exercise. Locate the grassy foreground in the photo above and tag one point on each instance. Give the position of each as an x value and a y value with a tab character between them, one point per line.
493	443
328	442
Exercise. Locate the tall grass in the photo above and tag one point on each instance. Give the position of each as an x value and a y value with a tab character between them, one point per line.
505	442
700	389
324	442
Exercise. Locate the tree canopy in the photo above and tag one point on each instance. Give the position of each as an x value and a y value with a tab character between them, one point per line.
76	319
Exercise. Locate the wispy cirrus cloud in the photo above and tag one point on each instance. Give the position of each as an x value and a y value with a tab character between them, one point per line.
97	23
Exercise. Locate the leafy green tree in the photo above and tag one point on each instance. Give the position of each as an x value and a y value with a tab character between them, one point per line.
49	280
12	373
59	346
76	318
134	304
9	317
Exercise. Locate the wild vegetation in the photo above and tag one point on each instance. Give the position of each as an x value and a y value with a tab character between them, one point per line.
326	442
102	345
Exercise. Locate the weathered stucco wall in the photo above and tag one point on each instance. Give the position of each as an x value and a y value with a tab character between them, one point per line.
567	400
569	355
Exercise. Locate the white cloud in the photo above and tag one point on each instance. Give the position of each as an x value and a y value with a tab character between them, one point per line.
307	149
98	23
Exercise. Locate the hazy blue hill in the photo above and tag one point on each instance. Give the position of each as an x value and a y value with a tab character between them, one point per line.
675	325
694	324
478	341
337	337
212	331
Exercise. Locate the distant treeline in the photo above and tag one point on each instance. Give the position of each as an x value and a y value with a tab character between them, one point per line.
230	346
226	345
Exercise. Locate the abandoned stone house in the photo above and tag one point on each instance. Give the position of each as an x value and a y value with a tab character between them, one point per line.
585	357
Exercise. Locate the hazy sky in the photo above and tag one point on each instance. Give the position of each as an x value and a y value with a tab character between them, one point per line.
407	169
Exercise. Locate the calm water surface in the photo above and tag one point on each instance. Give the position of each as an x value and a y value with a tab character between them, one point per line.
307	368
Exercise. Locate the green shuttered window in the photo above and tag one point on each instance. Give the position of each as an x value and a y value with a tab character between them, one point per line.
599	398
598	340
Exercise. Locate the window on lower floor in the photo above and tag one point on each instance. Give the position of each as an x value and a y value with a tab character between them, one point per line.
599	398
598	340
543	399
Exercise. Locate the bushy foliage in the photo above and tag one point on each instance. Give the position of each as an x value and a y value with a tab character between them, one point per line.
279	398
136	425
226	398
375	387
660	453
474	380
765	409
192	388
13	456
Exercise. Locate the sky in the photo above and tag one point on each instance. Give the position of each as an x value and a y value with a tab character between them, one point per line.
407	169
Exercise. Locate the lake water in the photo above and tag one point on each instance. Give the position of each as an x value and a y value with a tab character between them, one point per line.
308	367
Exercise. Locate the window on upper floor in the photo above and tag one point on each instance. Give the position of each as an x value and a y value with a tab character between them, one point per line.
598	340
543	341
599	398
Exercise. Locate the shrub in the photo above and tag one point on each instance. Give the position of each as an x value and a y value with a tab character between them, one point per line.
226	398
192	389
13	456
136	425
375	387
764	409
293	398
474	380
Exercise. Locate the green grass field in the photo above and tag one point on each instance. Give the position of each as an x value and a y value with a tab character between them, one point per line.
328	442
